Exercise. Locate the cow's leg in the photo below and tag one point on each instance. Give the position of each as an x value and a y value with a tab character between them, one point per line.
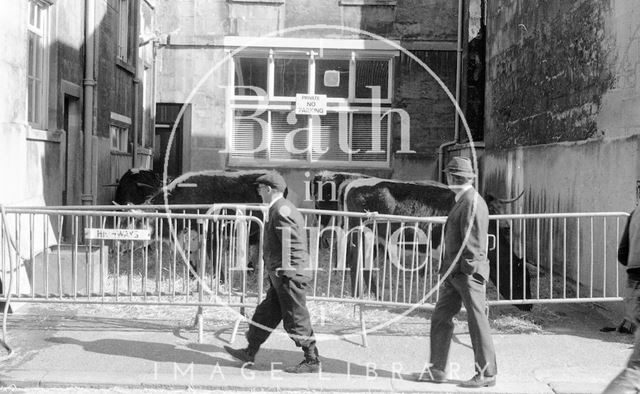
510	269
361	278
352	264
522	287
254	254
369	276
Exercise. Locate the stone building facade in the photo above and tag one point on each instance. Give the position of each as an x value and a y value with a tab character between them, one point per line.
77	104
289	47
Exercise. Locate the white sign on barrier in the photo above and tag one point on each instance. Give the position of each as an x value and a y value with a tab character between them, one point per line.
311	104
118	234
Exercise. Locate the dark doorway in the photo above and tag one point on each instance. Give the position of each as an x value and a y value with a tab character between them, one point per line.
73	158
166	116
72	177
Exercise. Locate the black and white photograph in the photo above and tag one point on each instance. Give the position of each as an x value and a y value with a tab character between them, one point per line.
320	196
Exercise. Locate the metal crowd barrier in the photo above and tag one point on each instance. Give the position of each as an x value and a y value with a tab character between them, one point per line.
141	255
120	256
571	257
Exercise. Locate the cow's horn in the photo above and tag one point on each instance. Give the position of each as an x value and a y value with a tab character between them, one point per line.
509	201
140	184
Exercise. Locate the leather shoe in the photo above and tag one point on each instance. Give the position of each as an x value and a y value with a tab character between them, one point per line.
479	381
306	366
432	375
241	354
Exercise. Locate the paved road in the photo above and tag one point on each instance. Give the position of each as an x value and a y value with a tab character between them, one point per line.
58	347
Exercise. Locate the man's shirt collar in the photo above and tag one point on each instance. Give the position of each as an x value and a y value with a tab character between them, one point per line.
274	201
461	190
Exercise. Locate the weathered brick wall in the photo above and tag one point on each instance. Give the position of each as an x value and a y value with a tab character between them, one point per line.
418	93
405	19
563	71
548	69
107	19
69	50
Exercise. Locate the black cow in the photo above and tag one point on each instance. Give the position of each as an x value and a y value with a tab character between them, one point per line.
325	190
208	188
136	186
514	267
390	197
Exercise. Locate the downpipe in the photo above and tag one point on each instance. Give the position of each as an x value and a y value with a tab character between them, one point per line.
89	84
456	132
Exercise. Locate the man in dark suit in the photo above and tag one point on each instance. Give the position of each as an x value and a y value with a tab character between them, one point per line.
465	271
284	238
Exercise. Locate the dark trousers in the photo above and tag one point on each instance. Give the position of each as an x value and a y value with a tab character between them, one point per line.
470	291
286	301
628	381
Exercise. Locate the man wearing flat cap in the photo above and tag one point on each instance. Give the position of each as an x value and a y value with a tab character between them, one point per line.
286	260
465	269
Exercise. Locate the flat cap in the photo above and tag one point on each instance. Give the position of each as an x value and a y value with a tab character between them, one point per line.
274	180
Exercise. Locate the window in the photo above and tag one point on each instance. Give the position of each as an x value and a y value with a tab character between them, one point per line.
37	63
250	72
291	76
340	85
265	128
119	138
372	73
123	30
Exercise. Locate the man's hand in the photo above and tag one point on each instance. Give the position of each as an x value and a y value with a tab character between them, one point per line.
469	267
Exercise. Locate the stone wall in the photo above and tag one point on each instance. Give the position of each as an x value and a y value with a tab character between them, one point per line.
562	120
565	72
549	66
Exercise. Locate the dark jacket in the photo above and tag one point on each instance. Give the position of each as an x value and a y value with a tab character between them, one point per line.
284	229
473	258
629	249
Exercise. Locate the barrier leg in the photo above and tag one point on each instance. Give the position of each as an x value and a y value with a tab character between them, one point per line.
196	317
200	324
236	327
363	327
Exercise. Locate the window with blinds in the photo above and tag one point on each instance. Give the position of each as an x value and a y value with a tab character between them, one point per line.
37	63
267	130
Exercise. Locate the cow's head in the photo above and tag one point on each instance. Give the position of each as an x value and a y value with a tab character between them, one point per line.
325	190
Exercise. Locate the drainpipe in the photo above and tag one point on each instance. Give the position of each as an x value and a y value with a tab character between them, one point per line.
456	132
89	84
136	88
152	122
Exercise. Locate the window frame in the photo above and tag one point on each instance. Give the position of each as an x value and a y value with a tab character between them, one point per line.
123	38
271	102
121	138
122	125
40	110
